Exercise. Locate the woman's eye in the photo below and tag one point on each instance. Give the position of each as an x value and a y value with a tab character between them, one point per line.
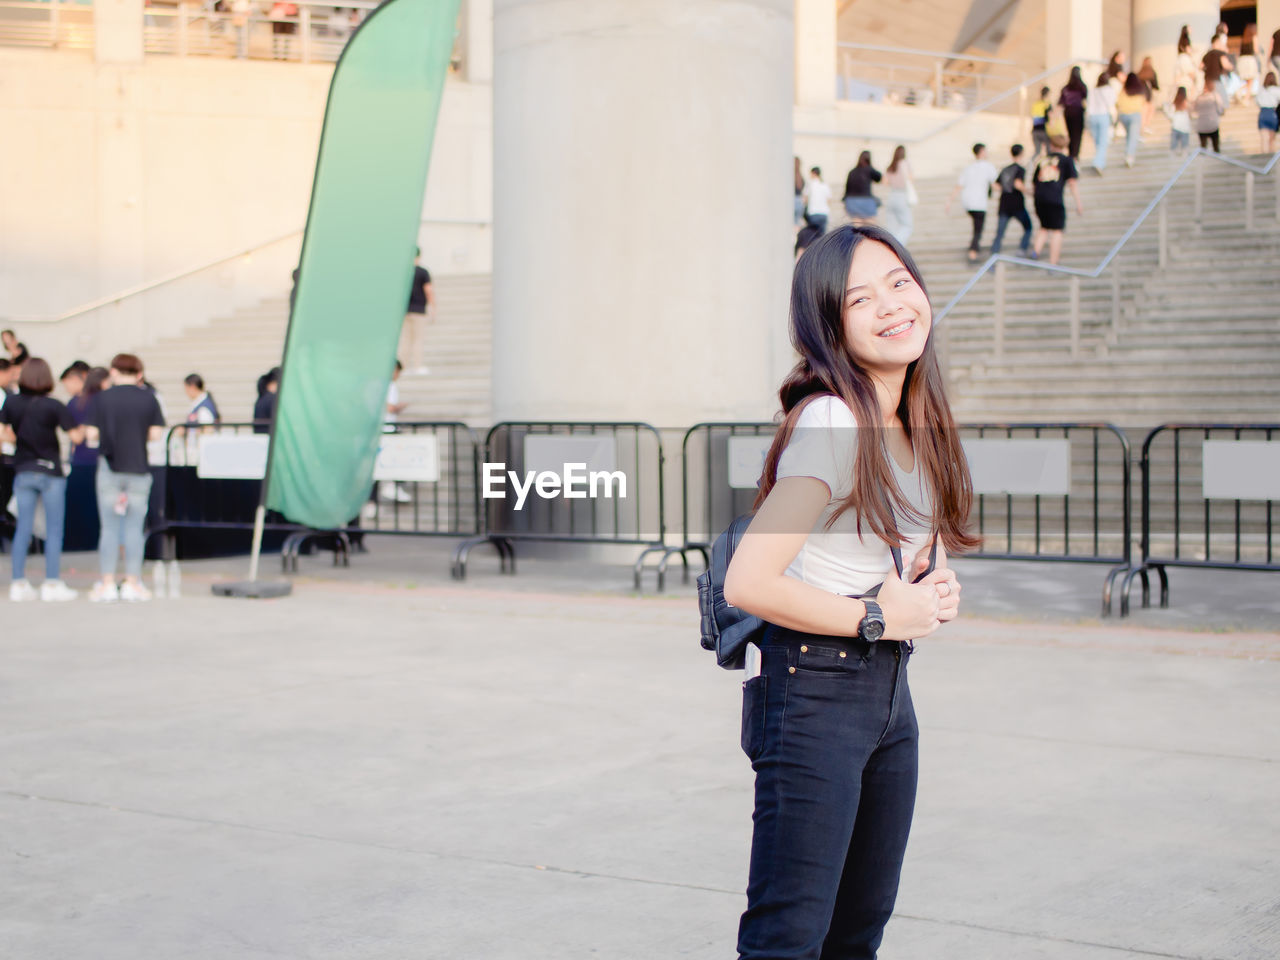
902	281
858	301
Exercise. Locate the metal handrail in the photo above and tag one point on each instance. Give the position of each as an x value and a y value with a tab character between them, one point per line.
948	124
910	51
1097	271
182	274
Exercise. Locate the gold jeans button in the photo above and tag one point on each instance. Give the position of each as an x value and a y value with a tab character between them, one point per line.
791	669
804	649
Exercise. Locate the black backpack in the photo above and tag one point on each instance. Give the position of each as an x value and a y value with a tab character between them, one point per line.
727	629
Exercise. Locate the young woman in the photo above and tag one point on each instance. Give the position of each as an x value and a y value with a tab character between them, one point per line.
1179	122
828	721
1184	70
1072	100
1054	175
1268	99
1147	74
897	176
1131	106
31	421
1100	114
859	202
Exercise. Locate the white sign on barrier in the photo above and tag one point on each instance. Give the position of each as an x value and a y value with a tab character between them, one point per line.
1021	466
551	453
409	458
233	456
156	453
746	460
1241	470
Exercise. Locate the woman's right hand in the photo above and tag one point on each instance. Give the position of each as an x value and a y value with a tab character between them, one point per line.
910	609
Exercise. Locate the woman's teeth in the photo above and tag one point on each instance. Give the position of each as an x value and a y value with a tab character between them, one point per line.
900	328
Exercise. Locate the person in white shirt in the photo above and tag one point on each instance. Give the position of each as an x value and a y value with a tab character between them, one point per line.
817	201
1268	100
974	189
390	417
1100	117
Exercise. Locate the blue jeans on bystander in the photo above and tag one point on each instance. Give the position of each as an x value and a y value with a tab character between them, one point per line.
28	488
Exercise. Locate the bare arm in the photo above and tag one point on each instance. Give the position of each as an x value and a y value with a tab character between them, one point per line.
757	580
155	433
76	435
431	298
6	434
1075	195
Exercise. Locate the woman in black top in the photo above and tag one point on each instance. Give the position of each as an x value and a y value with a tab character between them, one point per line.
17	351
859	202
31	421
1072	99
83	522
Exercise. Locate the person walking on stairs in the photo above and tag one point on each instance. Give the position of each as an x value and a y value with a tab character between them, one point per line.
420	312
1013	202
974	188
1054	175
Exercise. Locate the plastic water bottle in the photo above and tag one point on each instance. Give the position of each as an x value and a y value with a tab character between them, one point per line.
175	580
157	580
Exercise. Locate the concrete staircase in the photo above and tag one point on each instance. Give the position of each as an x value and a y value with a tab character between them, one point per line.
230	353
1197	340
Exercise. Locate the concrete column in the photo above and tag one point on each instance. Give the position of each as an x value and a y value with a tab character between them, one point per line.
478	27
1156	25
816	52
117	31
642	208
1073	31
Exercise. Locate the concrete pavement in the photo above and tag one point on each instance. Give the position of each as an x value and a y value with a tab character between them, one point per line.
390	765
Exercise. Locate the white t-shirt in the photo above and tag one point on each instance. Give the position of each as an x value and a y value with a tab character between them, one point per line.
1268	97
389	419
818	197
975	184
838	560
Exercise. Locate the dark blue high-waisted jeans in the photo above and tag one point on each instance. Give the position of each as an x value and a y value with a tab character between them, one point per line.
832	737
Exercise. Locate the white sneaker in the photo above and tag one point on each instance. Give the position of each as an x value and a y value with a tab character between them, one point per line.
394	492
134	593
55	591
103	592
21	590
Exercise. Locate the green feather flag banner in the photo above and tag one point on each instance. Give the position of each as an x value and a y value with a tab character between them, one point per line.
357	258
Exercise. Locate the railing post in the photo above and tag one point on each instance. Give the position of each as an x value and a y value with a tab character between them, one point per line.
1248	199
1075	316
998	349
182	29
1199	198
305	27
937	83
1163	222
1115	301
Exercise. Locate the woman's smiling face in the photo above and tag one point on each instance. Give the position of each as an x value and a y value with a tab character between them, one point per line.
887	316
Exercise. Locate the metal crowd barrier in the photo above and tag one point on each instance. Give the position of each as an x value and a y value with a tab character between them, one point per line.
720	471
1234	467
1053	491
1043	491
425	484
518	451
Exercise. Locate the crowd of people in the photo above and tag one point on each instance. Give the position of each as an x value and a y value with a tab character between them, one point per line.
1122	102
110	416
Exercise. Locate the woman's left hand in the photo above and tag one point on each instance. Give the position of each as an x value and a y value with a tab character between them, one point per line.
944	580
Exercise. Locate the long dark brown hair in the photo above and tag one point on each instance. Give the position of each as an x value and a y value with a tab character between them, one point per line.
827	367
899	154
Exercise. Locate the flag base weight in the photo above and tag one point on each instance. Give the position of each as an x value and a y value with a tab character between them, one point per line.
253	589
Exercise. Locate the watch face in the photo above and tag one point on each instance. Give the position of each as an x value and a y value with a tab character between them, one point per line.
872	629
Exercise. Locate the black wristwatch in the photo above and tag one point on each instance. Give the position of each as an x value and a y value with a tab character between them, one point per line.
871	627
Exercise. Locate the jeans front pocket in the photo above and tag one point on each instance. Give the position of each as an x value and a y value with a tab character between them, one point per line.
753	700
